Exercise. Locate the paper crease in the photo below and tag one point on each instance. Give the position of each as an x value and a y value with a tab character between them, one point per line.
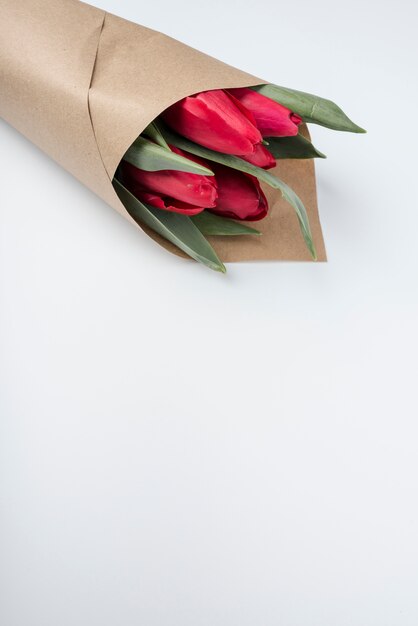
89	91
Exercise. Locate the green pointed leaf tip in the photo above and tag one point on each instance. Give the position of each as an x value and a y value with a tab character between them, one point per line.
152	157
311	108
236	163
211	224
297	147
176	228
153	132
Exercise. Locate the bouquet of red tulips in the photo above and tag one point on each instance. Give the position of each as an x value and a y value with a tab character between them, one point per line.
187	144
204	158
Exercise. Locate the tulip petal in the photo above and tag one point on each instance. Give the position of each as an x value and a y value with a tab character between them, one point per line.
178	229
272	118
240	195
261	157
192	189
213	119
166	204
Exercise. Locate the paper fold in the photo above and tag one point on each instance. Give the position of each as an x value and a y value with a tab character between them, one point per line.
82	84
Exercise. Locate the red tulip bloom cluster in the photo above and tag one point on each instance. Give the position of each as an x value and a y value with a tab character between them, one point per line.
232	122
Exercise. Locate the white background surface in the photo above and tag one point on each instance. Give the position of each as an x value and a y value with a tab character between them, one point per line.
180	448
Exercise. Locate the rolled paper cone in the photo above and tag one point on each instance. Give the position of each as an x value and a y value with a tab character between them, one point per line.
82	84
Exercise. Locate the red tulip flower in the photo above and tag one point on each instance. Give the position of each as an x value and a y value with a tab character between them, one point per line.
261	157
272	119
215	120
171	190
239	195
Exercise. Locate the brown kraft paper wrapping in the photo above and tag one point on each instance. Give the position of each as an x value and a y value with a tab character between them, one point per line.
82	84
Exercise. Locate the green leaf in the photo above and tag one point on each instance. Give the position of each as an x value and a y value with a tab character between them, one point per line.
297	147
179	229
311	108
238	164
153	132
211	224
151	157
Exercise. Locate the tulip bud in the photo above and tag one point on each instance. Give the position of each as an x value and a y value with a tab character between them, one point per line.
215	120
272	119
239	195
171	190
